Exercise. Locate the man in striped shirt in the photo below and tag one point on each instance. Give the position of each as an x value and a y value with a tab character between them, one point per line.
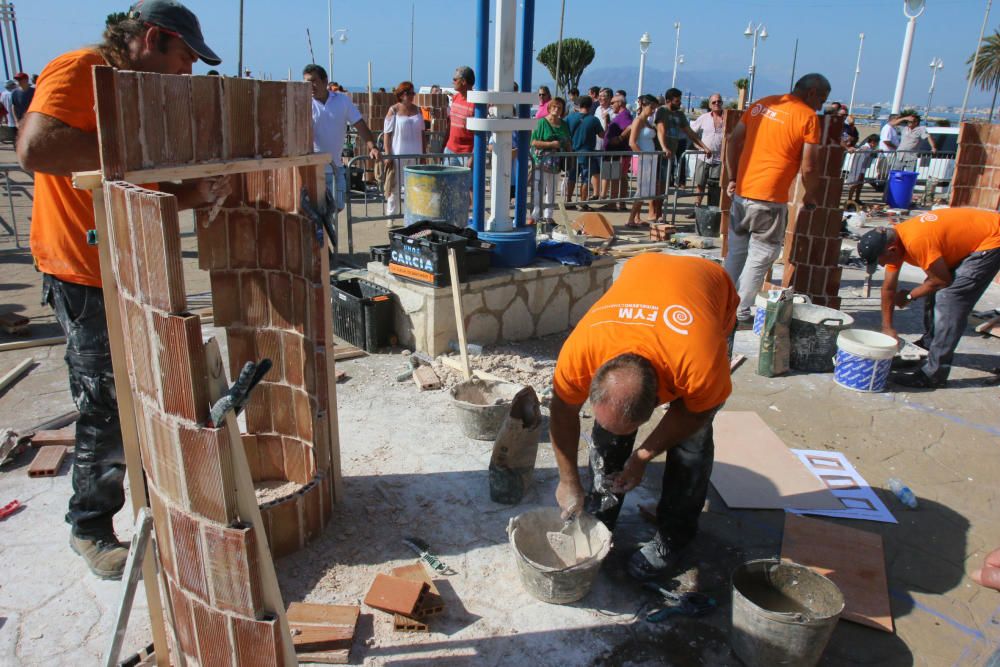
460	138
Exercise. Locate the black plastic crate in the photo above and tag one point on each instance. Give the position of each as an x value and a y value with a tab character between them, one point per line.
421	255
477	260
379	253
362	313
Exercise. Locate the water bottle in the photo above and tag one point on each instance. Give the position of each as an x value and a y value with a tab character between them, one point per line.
903	493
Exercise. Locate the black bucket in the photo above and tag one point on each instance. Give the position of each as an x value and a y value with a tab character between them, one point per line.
813	333
707	220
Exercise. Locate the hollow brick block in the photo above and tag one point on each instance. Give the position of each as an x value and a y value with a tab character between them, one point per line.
259	189
164	452
213	239
800	247
254	300
285	523
109	136
190	559
183	620
293	245
226	310
270	240
271	455
208	129
834	161
309	365
208	472
139	350
214	646
321	376
272	118
241	103
257	642
280	291
162	248
161	531
154	110
294	451
970	133
183	373
320	311
270	346
253	456
282	410
286	197
243	239
122	251
300	306
242	348
312	512
131	119
299	124
179	144
292	359
303	414
232	568
259	409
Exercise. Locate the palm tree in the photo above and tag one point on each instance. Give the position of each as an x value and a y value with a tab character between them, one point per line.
987	74
741	85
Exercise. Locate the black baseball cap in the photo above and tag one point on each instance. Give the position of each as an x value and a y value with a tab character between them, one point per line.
177	19
871	246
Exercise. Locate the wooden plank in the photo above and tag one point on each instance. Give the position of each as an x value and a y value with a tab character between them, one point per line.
13	374
736	362
47	462
342	352
456	297
323	632
37	342
306	613
991	327
754	469
426	378
63	437
91	180
853	559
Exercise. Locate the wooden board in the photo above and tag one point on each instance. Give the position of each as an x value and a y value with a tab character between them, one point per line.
323	632
753	468
853	559
47	462
64	437
342	352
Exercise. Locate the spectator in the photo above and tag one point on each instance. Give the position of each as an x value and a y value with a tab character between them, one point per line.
709	127
5	100
911	140
672	131
20	98
572	97
543	102
888	143
550	136
603	111
833	109
402	134
435	89
594	92
775	137
585	130
616	139
461	140
331	114
640	140
849	136
863	157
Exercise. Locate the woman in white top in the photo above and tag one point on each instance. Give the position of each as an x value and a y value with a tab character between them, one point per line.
640	139
403	134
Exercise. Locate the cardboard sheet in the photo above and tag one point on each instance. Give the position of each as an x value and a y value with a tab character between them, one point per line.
857	499
853	559
755	470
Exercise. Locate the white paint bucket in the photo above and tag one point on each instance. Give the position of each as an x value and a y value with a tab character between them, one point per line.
863	360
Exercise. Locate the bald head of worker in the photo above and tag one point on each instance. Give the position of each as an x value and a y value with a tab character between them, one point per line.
623	393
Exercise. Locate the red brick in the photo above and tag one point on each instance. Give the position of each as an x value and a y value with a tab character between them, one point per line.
139	351
295	460
258	409
226	309
300	306
270	240
179	146
292	359
213	240
161	234
118	221
272	458
271	118
257	643
320	314
232	568
312	512
282	410
832	256
214	646
280	291
128	104
209	130
259	189
240	101
309	366
190	560
303	415
834	161
269	346
243	239
164	452
253	456
241	347
285	524
208	472
311	250
153	112
161	532
183	620
293	245
253	296
970	133
322	387
183	373
286	196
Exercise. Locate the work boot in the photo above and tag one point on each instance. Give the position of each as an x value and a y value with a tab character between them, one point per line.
653	559
915	379
104	556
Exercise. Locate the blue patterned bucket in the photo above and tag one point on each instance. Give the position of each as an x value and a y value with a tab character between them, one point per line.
863	360
760	301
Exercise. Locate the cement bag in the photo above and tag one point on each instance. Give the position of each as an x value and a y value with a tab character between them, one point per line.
775	339
512	465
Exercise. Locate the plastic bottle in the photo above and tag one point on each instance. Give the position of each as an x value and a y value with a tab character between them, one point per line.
903	493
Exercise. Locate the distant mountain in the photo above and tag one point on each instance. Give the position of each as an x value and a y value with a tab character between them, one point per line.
700	84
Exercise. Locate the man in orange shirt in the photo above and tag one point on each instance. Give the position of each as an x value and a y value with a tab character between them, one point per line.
57	137
658	336
959	249
775	137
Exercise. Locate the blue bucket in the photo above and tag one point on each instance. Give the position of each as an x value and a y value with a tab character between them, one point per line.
760	301
863	360
899	189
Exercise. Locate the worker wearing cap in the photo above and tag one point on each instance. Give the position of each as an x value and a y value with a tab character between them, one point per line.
58	136
659	335
959	249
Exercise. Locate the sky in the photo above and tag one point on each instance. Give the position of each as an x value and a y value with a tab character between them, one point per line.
711	39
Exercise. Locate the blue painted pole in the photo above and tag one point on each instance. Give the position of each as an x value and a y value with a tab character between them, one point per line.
523	110
479	150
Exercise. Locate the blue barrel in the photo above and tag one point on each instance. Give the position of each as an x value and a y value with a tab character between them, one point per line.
899	189
863	360
437	192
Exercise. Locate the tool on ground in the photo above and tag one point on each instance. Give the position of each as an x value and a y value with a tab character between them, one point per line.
412	363
423	550
130	579
237	395
690	603
456	296
13	442
10	508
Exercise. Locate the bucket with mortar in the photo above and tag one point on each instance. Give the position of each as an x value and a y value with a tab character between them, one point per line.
783	613
813	334
863	360
482	405
544	573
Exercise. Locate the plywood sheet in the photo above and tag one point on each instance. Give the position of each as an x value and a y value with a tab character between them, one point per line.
755	470
853	559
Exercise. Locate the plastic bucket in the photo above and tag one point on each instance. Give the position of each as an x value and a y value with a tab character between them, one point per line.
813	334
783	613
863	360
542	572
482	406
707	220
760	301
899	189
437	192
513	248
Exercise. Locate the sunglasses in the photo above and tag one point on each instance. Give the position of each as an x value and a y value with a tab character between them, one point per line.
716	102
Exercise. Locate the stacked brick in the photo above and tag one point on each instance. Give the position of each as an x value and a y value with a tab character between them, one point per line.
437	106
812	240
233	119
976	182
208	558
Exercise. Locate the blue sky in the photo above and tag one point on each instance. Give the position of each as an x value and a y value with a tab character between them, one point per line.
712	42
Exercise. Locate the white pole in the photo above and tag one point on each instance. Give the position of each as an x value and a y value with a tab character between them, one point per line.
936	64
412	19
677	50
753	65
857	71
975	61
904	65
642	72
562	16
329	27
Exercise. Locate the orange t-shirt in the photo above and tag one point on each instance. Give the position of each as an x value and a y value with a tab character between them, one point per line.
777	128
61	214
676	312
949	233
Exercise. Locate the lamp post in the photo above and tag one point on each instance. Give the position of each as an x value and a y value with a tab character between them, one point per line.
678	59
911	10
342	38
751	32
857	71
936	65
644	43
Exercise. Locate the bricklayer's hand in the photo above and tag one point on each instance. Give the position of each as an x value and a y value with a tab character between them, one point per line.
569	495
630	476
989	574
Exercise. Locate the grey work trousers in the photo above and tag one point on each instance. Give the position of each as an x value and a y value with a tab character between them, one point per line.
946	312
756	230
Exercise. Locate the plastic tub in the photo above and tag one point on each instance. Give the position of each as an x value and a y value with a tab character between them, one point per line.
863	360
813	334
899	189
437	192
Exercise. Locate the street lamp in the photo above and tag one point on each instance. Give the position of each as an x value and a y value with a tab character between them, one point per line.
936	65
857	71
911	10
341	35
644	43
759	32
678	59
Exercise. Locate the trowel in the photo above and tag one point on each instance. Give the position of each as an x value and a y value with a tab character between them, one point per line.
570	544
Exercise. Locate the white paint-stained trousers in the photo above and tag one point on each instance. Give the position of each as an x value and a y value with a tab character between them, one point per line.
756	230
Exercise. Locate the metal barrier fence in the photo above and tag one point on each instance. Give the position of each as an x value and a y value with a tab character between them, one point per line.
10	228
874	166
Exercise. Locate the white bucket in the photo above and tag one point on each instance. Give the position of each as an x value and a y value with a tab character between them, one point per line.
760	301
863	360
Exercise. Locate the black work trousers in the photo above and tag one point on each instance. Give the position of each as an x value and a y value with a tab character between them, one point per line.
685	481
99	464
